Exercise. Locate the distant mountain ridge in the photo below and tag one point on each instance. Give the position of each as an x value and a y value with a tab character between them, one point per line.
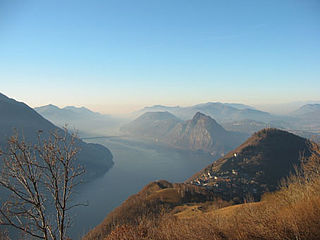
237	117
307	109
50	109
80	118
17	115
221	112
308	117
200	133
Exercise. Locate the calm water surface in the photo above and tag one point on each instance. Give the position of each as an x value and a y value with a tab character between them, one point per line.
136	164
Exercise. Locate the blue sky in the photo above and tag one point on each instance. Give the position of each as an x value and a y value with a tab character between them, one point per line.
119	55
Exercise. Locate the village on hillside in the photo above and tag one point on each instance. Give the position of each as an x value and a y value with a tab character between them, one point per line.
234	184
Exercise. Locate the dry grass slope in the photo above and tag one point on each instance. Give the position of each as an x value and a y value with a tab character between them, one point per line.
153	200
290	213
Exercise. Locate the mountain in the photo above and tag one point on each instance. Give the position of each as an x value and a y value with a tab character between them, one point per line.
204	133
200	133
223	112
80	118
308	109
159	108
256	166
246	126
152	124
308	117
240	106
17	115
69	112
219	111
309	113
252	126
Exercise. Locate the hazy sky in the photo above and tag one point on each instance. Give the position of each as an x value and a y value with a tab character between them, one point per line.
119	55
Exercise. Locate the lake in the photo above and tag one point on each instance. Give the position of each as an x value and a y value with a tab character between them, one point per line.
136	164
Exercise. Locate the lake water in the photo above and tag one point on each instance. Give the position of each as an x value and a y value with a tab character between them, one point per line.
136	164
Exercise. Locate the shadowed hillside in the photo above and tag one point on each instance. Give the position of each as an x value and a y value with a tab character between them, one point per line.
256	166
17	116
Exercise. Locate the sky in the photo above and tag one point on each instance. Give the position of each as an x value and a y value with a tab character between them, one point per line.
115	56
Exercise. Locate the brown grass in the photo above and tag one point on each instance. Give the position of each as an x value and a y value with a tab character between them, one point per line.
291	213
152	201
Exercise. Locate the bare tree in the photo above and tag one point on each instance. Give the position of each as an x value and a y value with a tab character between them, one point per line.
40	179
4	235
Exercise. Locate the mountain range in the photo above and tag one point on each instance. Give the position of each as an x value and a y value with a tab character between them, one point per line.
200	133
221	112
17	116
87	122
232	116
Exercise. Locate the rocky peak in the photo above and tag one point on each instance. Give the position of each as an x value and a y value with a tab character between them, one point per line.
206	122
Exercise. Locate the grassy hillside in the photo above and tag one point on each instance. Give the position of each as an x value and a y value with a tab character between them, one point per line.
293	212
154	199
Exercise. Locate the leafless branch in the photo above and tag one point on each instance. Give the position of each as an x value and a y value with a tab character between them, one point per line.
38	177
